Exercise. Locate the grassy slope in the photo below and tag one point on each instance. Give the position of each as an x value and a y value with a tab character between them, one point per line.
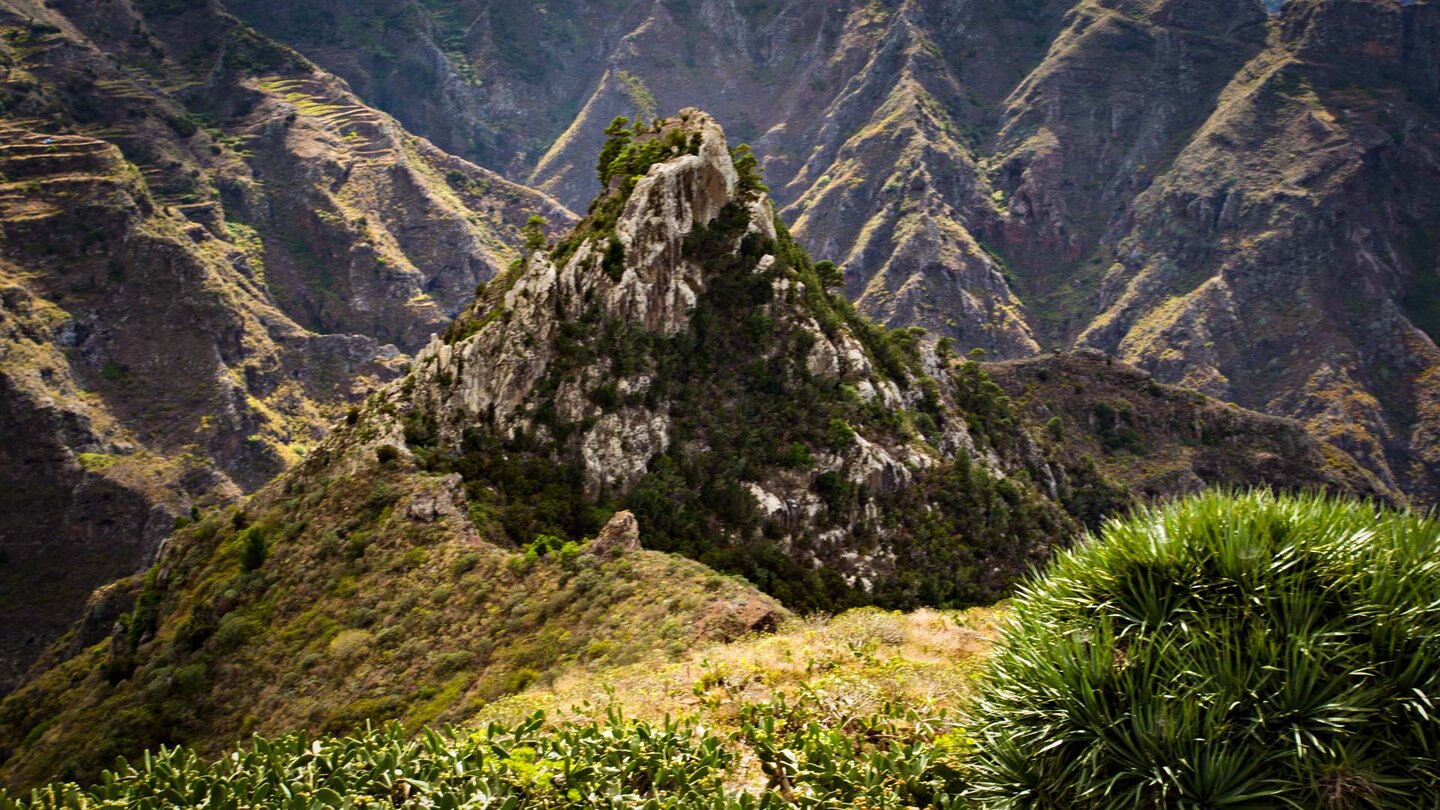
861	707
359	608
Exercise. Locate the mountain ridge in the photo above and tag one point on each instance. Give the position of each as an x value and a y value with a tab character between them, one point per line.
991	174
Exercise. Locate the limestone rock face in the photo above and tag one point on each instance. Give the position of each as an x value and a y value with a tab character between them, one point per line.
434	504
496	371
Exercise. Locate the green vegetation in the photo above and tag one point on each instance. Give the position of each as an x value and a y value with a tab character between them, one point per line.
252	549
829	713
95	462
1055	428
615	763
331	605
829	275
1115	434
776	415
968	535
534	233
629	152
748	167
1221	651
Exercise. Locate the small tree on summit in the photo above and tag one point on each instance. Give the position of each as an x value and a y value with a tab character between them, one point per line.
748	167
617	138
534	233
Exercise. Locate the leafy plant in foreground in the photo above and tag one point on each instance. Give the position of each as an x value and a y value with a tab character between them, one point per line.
810	758
1223	651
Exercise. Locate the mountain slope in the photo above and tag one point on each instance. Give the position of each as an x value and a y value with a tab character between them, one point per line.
207	247
1284	261
1080	139
675	359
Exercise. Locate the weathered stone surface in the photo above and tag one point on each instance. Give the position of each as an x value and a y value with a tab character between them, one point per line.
620	535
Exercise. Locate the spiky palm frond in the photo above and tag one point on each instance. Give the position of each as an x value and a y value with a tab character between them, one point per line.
1225	650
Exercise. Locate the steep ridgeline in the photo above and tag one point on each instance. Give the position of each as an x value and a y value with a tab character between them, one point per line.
672	376
207	248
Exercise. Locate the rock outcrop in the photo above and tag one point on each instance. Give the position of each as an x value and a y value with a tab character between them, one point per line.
620	535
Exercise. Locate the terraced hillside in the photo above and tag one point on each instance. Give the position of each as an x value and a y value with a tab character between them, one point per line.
208	247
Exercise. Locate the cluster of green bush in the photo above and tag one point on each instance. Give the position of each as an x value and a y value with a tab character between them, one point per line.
1223	651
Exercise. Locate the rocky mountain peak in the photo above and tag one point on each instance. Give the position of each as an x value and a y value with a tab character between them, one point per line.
686	189
680	356
625	264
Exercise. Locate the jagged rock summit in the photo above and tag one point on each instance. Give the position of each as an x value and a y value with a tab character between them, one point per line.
680	330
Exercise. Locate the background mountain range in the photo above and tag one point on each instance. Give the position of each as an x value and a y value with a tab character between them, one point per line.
225	222
1239	202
